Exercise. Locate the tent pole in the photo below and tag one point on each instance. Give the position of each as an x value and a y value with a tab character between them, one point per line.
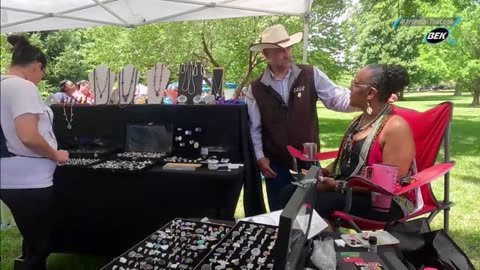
305	37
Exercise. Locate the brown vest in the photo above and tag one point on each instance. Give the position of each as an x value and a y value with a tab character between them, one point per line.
284	125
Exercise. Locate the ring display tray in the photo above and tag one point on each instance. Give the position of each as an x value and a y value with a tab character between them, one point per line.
180	244
248	246
92	152
154	156
82	162
123	165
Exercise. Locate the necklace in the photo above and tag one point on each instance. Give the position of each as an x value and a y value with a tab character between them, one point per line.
97	84
184	72
367	125
216	86
194	73
133	78
157	85
69	122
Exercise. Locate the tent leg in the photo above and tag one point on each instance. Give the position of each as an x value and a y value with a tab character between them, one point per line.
306	19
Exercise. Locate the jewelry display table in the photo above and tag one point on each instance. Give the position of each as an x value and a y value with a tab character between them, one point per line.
104	213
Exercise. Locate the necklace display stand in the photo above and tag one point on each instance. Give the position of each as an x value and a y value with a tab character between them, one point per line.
157	80
128	79
190	80
217	82
102	81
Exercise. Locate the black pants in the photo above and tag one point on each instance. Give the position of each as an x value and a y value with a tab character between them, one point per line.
32	211
328	202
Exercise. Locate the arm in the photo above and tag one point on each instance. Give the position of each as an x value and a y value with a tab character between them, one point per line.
398	145
331	95
255	124
26	127
256	133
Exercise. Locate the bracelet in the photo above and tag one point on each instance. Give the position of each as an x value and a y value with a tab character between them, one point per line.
340	186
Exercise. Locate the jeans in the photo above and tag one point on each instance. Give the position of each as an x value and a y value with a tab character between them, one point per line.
276	185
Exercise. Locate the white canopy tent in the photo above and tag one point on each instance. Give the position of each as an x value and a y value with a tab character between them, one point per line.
42	15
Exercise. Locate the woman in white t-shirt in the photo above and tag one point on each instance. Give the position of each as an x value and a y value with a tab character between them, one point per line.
29	152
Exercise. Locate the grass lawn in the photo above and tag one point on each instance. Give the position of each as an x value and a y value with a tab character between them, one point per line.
464	190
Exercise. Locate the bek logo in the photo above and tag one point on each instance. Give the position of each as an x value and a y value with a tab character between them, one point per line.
436	35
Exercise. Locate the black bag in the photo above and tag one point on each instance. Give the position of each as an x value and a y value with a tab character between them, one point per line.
422	247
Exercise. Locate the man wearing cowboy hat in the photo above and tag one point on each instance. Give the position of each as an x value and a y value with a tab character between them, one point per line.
282	107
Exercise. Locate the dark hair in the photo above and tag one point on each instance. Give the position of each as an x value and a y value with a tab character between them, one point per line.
82	82
24	53
388	79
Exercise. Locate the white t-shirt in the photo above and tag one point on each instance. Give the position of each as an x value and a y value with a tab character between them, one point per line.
28	169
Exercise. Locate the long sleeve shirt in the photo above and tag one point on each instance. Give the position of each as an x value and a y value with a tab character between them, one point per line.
331	95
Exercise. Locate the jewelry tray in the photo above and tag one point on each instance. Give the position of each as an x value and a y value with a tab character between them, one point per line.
92	152
82	162
180	244
247	246
99	166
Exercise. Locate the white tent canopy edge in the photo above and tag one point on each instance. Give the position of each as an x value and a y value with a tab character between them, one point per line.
43	15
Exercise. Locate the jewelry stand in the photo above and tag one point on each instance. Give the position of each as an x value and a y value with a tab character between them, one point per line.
157	80
190	80
102	81
128	79
217	82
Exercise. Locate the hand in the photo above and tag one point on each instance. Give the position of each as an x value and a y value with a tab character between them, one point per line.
326	184
61	156
264	166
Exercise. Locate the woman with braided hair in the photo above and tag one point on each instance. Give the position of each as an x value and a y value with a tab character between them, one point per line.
375	136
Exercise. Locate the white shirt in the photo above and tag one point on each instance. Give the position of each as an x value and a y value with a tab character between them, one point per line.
331	95
28	169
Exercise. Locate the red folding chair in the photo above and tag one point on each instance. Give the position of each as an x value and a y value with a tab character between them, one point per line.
429	129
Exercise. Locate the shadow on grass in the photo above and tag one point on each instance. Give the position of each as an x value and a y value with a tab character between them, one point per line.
58	261
464	139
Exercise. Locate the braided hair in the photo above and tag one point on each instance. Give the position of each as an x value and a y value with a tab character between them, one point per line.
388	79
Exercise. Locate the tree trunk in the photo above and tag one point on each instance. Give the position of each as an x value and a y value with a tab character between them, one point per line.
401	97
458	91
253	61
476	96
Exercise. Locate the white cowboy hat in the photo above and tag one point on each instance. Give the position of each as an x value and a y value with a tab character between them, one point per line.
276	37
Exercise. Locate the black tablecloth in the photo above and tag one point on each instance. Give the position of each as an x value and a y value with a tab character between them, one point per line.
105	213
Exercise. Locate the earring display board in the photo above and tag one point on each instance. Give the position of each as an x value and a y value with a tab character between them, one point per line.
190	82
180	244
217	82
188	141
128	79
157	81
102	80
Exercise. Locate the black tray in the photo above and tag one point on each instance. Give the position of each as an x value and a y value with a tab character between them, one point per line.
92	152
160	254
227	247
93	162
122	169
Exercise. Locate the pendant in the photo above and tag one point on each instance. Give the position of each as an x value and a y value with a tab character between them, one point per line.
157	94
101	95
299	94
69	126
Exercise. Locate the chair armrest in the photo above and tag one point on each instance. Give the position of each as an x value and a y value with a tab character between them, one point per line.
327	155
358	181
320	156
426	176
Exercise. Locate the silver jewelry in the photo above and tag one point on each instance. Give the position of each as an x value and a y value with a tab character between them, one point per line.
193	74
69	121
182	99
197	99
